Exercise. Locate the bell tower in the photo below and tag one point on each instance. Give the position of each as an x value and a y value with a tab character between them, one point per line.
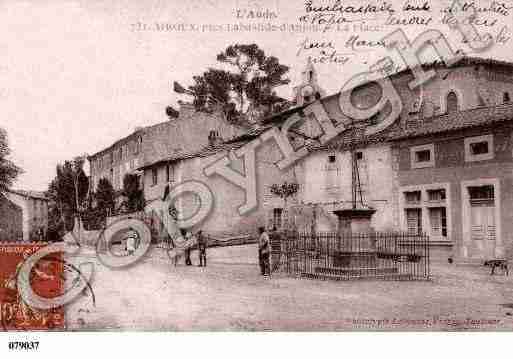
308	90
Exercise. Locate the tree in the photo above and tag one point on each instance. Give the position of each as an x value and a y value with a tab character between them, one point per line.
67	193
105	198
285	190
8	170
247	87
133	193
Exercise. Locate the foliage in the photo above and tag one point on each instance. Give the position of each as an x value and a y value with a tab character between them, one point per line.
67	193
285	190
248	85
93	217
171	112
133	193
105	198
8	170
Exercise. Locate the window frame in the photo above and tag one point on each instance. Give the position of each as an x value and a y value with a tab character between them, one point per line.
154	176
431	192
457	103
138	145
427	205
170	169
470	157
414	202
424	164
332	173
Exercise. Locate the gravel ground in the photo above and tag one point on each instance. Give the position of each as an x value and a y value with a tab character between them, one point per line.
230	294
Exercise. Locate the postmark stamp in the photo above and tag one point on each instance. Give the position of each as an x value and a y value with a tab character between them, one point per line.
46	279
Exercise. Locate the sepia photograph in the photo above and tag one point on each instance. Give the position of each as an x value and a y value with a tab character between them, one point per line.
255	166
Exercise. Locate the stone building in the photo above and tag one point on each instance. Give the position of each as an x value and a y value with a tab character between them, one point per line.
190	130
33	207
11	220
224	219
455	179
443	167
321	176
113	162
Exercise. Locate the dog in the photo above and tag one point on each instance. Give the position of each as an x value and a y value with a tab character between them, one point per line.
497	263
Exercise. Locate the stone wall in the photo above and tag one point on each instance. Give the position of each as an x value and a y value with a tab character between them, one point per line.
376	178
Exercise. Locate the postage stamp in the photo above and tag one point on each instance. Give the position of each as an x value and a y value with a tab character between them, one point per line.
256	165
46	279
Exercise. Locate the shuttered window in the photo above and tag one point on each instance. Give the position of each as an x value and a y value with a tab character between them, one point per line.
414	220
332	173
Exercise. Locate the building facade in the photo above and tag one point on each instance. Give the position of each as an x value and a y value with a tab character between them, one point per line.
444	167
455	182
34	211
11	220
189	131
117	160
224	220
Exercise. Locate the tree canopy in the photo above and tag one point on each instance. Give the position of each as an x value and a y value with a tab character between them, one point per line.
133	193
8	170
244	88
64	204
105	197
285	190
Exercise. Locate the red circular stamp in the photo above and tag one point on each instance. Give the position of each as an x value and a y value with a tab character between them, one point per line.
46	279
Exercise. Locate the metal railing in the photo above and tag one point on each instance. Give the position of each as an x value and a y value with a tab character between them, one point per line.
387	256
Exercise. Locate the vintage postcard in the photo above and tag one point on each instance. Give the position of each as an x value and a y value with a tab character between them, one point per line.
256	165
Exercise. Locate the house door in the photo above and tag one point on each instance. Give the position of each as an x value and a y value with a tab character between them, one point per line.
482	221
483	229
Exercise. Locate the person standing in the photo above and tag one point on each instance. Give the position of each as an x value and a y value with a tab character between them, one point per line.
202	249
276	250
131	241
188	240
263	251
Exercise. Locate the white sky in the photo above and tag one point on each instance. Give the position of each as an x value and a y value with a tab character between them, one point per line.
75	77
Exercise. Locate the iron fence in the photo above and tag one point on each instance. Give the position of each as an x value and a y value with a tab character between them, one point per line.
387	256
